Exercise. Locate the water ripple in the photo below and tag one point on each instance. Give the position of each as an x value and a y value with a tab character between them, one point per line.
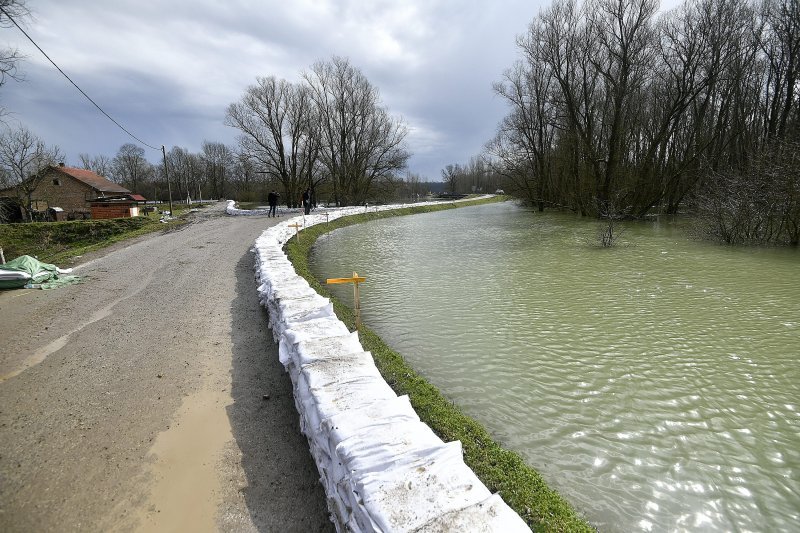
655	385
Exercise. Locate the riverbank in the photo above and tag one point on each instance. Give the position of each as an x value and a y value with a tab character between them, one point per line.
500	470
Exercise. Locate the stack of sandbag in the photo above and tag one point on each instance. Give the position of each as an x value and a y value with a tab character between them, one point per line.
232	210
382	468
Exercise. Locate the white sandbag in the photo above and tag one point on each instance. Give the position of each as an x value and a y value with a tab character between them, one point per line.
311	350
299	308
290	320
368	422
337	398
414	493
339	369
328	326
380	446
298	288
488	516
276	269
272	296
344	425
311	379
297	303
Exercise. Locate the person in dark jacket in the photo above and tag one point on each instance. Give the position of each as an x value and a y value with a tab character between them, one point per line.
307	201
272	198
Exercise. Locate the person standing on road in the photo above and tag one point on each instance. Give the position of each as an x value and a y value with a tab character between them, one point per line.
272	198
307	201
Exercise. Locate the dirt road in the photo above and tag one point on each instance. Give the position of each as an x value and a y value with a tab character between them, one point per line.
150	398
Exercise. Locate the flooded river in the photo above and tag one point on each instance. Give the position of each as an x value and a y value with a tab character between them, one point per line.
656	385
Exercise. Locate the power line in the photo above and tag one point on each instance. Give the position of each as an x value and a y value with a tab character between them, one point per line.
120	126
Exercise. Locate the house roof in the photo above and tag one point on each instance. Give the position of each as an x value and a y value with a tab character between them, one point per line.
95	181
120	198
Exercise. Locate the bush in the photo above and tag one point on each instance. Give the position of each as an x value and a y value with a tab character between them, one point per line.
758	205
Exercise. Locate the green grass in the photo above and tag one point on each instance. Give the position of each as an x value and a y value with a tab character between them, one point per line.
60	243
501	470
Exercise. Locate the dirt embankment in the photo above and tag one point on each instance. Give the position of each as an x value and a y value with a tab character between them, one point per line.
150	397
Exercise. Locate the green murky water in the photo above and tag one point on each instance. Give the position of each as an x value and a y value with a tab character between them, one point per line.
656	384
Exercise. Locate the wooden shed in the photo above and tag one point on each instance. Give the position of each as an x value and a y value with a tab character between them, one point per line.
116	206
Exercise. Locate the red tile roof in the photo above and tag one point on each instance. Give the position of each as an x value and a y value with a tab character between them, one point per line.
95	181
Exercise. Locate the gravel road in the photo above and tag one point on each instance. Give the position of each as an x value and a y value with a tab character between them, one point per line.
150	398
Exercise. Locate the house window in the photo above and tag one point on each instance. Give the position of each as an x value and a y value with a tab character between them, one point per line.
56	181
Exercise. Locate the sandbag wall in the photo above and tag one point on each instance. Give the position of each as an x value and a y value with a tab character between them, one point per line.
382	468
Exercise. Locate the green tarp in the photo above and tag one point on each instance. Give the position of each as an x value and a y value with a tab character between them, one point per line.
27	271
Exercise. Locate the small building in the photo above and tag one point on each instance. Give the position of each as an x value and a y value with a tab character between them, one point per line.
71	189
122	206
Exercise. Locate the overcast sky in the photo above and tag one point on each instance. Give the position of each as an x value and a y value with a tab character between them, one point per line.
168	70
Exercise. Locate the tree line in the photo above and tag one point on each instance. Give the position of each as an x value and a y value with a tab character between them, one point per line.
327	133
477	176
215	172
618	111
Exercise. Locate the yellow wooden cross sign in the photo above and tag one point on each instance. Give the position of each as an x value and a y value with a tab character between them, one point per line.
296	227
355	280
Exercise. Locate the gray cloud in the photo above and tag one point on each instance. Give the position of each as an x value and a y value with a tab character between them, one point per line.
168	70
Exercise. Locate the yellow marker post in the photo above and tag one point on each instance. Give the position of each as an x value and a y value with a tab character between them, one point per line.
355	280
296	227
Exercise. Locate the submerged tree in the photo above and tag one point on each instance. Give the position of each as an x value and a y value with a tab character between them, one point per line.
758	204
611	102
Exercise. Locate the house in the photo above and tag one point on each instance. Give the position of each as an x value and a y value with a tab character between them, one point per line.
71	189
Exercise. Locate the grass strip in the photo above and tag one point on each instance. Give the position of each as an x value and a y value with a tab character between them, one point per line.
60	243
503	471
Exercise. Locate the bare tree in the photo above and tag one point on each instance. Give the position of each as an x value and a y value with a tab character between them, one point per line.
219	160
245	180
780	43
611	106
450	175
274	117
130	168
23	158
13	11
186	171
757	204
101	165
360	143
526	137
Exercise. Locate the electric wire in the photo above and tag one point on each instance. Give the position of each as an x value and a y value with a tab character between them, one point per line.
120	126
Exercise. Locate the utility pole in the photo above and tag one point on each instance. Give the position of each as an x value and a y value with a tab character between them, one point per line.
166	173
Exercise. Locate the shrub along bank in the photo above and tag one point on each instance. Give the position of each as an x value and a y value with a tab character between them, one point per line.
501	470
